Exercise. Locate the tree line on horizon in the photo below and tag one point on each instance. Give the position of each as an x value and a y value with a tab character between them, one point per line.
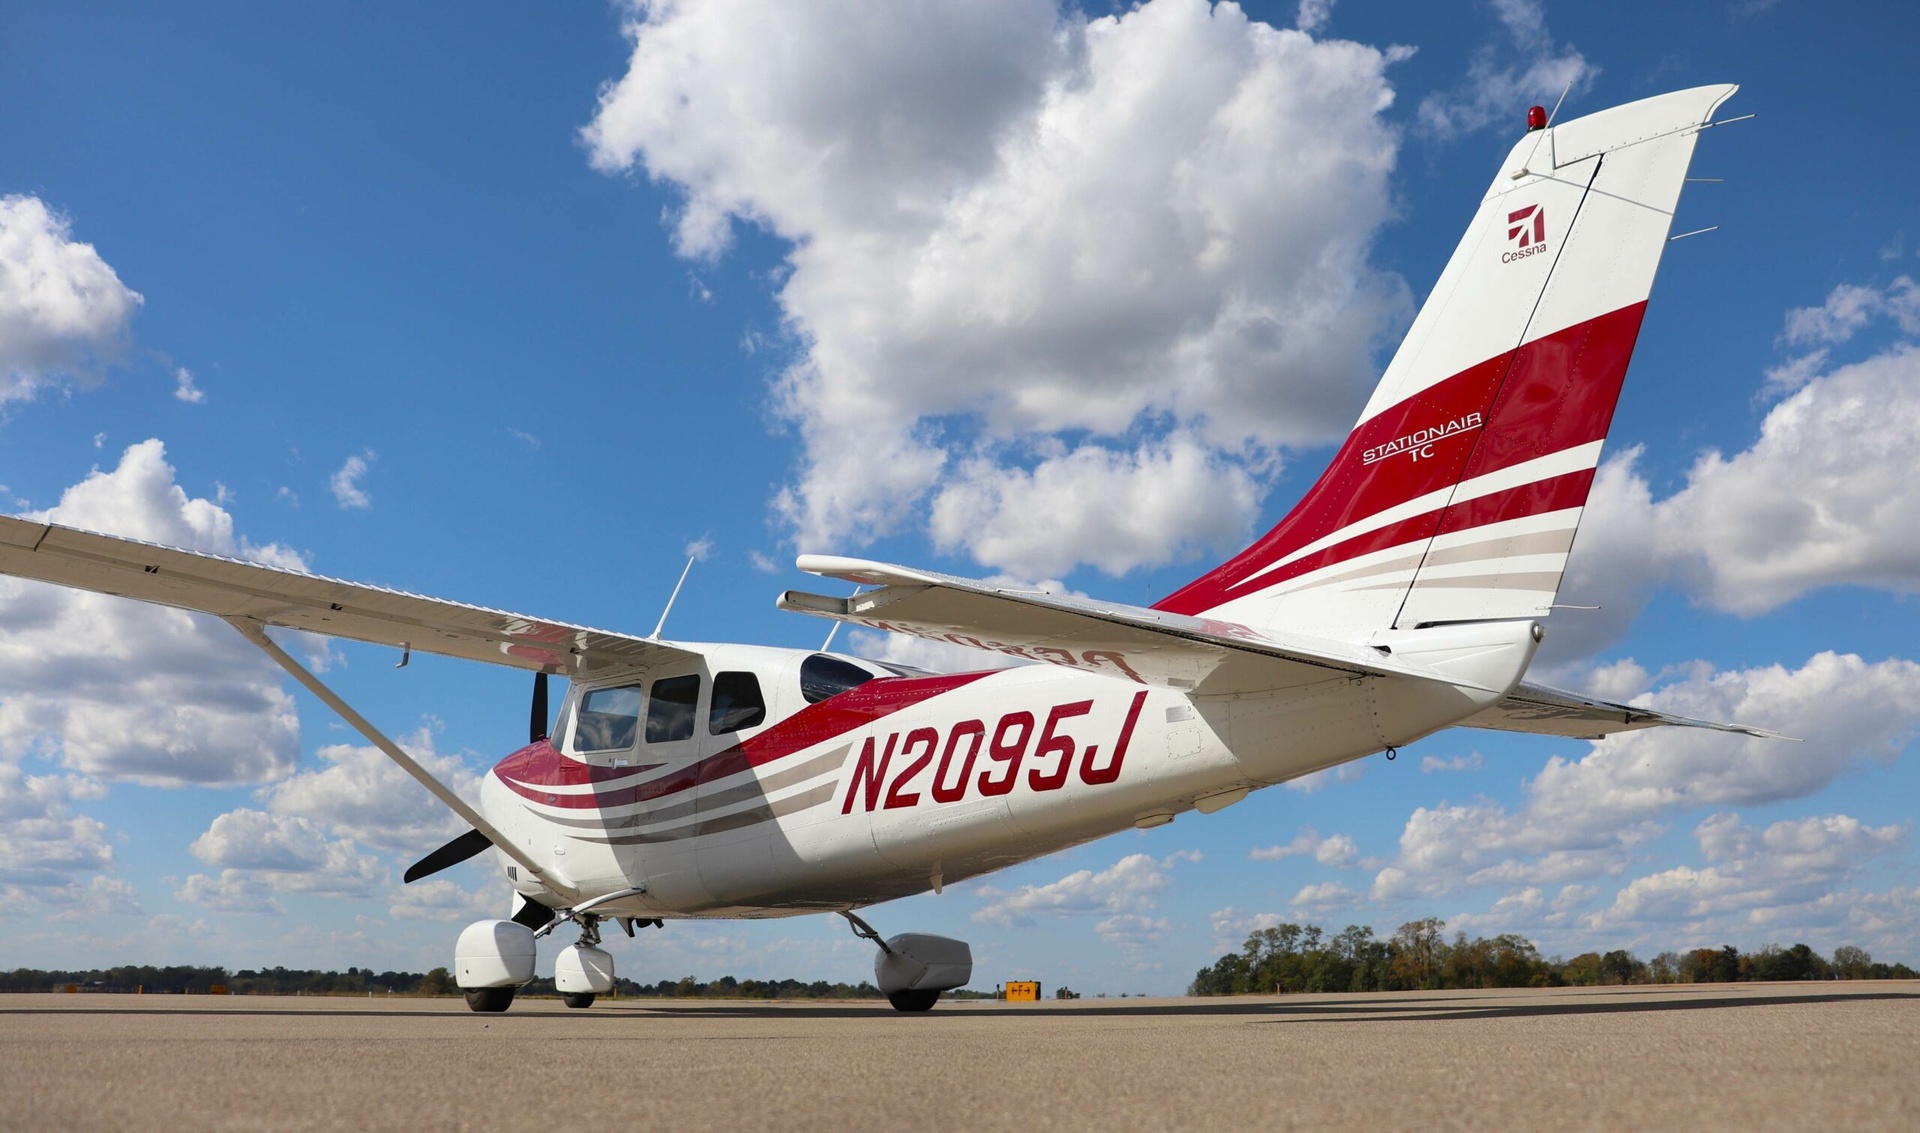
1418	957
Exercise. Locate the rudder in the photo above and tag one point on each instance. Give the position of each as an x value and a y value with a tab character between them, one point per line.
1458	494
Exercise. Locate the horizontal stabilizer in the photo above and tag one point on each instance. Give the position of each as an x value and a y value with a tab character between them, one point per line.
1551	712
233	588
1153	647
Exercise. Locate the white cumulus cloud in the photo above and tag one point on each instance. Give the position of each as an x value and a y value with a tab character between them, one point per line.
1333	850
439	899
1527	66
42	840
184	389
287	853
1819	499
63	311
1324	897
358	793
128	691
346	482
1127	886
1581	819
1786	878
1063	256
233	891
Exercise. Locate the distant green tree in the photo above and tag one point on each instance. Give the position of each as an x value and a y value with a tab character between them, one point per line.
1852	963
439	981
1419	953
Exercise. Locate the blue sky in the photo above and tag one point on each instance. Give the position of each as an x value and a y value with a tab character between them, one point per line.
572	291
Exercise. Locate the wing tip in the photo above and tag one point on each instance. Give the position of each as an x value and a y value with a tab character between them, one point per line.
866	572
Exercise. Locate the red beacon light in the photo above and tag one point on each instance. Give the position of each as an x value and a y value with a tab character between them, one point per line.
1536	118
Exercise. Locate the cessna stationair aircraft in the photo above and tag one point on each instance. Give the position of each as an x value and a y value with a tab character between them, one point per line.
1403	595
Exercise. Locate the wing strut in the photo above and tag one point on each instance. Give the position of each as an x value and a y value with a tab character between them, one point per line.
256	632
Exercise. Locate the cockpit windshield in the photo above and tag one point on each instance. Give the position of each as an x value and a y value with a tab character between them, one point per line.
822	676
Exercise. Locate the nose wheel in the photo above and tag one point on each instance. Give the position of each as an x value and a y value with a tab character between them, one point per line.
578	999
913	1000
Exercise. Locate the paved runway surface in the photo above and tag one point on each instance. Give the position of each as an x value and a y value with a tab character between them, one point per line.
1753	1056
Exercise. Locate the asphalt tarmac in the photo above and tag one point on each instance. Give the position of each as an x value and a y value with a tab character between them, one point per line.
1750	1056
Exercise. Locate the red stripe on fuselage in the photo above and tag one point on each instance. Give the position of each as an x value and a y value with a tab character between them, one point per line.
1553	393
541	764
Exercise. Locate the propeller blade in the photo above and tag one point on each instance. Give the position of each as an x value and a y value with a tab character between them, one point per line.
451	854
537	726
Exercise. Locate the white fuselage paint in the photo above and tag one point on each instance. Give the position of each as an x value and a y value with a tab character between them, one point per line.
818	845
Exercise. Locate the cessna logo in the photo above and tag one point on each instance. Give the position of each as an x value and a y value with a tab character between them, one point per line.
1527	228
1419	444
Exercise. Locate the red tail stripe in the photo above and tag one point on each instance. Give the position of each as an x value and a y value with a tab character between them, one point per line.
1559	391
1555	493
1552	494
541	764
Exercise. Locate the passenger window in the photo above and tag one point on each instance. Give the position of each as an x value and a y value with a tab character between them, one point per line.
737	703
607	719
822	676
670	711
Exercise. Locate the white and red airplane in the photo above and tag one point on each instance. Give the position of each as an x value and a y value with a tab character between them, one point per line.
1403	595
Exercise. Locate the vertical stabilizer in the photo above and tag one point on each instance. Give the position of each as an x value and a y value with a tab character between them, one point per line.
1457	495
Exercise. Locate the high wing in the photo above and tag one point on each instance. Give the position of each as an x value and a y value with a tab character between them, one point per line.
1552	712
1153	647
231	588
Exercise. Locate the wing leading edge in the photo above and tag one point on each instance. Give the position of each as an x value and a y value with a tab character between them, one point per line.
233	588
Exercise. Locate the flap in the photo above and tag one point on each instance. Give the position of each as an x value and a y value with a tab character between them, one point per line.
1153	647
232	588
1551	712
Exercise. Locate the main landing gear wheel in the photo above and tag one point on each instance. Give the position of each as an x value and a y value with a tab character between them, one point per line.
913	1000
489	998
578	999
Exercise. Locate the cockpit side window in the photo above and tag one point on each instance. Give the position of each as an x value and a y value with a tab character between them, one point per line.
737	703
822	676
672	707
607	719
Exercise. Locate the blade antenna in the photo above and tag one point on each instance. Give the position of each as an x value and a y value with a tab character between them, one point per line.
836	625
655	635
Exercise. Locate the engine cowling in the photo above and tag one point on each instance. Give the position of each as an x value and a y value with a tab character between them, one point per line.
917	961
494	954
580	968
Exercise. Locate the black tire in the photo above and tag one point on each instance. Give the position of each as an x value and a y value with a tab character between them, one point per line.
913	1000
489	998
578	999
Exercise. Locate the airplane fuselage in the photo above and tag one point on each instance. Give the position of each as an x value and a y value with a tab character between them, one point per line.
909	783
